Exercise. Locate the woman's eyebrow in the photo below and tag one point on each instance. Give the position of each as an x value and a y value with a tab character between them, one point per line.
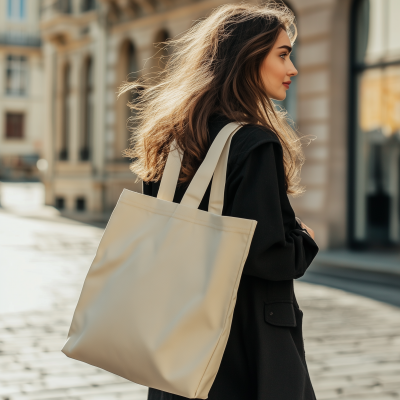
288	48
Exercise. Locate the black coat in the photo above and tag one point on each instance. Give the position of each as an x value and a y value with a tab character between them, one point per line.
264	358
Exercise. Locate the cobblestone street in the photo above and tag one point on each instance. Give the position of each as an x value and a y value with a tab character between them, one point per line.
352	343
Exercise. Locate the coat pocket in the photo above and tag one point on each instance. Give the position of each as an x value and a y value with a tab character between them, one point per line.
280	314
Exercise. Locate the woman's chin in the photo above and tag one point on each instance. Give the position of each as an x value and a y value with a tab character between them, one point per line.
279	97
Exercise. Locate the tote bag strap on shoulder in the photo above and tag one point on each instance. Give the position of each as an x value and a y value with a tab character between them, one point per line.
215	163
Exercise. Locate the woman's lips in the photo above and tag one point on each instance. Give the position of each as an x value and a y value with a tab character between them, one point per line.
286	84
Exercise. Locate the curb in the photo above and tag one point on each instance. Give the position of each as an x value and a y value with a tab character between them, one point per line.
386	263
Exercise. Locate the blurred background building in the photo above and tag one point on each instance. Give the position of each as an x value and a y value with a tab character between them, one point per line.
21	94
347	95
89	49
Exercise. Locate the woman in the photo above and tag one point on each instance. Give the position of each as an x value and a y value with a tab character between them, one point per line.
228	68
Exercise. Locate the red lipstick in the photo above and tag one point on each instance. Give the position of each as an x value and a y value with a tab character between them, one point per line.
286	84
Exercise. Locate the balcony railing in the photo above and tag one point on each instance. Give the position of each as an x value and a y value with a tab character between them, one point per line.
19	39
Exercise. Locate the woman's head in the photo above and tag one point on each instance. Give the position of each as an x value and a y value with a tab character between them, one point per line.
277	69
228	63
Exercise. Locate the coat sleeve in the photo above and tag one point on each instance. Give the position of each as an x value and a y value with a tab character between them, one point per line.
280	249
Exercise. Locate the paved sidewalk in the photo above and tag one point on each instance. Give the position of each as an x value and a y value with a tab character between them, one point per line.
352	343
42	268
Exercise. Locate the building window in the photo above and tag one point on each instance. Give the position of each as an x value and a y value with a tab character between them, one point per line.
375	134
66	115
63	6
16	75
88	111
125	116
16	10
60	203
132	68
162	51
80	204
14	126
88	5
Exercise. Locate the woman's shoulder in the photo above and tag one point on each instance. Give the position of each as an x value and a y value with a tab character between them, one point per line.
247	138
257	144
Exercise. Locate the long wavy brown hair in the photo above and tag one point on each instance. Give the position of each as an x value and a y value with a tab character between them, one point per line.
213	67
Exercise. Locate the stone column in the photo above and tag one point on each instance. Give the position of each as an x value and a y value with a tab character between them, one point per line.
49	103
99	120
113	63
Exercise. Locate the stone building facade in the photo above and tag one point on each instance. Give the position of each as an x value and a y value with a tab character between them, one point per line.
21	82
90	47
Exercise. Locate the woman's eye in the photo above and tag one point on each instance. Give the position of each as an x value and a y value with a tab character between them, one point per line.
283	55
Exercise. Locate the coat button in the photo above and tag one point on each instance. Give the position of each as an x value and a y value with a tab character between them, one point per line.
271	313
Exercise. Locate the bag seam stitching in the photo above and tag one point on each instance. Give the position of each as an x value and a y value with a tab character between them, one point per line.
252	228
194	221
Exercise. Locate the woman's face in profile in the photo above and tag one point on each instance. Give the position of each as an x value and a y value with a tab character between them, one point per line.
277	69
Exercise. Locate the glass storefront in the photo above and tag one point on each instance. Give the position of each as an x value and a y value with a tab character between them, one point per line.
375	155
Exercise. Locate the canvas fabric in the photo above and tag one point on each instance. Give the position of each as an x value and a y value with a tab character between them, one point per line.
157	303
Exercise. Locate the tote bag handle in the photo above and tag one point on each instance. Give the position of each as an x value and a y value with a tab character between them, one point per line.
215	163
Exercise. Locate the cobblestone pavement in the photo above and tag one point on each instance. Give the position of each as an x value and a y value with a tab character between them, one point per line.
352	343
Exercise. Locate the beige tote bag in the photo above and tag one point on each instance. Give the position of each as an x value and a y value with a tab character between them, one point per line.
157	303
